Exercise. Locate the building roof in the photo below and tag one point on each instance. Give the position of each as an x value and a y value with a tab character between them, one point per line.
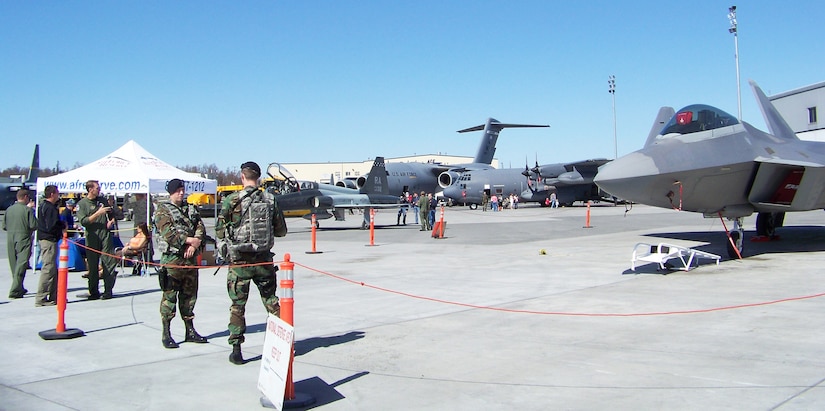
798	90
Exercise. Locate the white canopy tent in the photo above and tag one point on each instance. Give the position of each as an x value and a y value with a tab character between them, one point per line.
129	169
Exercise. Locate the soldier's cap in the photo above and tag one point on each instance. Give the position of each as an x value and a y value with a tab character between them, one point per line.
252	166
174	185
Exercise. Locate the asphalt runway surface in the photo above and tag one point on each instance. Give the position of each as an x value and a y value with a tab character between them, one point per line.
521	309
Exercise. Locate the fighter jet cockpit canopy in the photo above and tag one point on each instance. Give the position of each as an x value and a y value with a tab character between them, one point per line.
695	118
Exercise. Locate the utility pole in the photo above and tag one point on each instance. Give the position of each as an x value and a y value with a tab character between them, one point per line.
611	83
733	29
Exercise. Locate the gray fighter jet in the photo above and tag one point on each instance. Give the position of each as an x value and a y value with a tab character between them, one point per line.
704	160
428	177
571	182
10	186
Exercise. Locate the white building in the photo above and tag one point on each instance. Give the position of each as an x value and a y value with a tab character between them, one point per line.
799	108
321	172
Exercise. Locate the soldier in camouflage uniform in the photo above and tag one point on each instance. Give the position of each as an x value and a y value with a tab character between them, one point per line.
181	233
243	269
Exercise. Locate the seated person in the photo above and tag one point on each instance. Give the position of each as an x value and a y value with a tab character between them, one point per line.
137	243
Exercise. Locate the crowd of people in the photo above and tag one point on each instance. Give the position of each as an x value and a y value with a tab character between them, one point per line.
422	205
499	202
180	236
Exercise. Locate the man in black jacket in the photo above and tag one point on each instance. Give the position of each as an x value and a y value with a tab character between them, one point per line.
49	230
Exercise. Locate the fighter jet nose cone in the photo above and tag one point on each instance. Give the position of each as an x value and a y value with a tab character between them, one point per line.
629	166
622	176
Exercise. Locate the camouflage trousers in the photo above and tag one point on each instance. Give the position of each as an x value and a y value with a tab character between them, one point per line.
237	285
182	290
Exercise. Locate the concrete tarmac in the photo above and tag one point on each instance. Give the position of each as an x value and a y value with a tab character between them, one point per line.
479	320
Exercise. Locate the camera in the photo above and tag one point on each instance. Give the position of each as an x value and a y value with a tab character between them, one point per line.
102	203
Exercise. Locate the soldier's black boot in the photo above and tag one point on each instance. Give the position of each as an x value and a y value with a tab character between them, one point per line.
192	335
236	357
166	338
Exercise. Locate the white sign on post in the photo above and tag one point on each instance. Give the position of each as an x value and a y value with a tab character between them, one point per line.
275	360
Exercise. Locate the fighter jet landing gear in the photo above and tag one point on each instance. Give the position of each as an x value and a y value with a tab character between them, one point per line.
766	224
734	245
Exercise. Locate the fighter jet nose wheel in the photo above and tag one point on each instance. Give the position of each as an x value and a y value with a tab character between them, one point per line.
736	238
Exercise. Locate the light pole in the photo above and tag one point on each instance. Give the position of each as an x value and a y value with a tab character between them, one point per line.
732	29
611	83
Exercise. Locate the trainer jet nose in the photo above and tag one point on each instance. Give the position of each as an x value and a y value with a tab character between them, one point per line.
627	177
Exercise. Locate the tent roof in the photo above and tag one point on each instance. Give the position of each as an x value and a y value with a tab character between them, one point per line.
129	169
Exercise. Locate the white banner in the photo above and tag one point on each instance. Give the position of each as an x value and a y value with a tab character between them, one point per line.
275	360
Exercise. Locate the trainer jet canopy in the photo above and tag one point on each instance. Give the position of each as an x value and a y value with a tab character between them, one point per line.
704	160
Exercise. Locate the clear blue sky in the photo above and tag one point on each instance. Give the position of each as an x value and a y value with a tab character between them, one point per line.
201	82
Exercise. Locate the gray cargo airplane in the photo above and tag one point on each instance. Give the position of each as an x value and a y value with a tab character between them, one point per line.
10	186
571	182
704	160
327	200
427	177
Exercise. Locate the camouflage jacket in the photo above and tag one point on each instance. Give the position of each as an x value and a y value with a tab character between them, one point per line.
173	225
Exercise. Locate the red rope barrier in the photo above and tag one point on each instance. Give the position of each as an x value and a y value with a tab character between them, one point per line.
560	313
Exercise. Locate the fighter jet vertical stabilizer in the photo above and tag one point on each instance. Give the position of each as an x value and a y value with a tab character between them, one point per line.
773	120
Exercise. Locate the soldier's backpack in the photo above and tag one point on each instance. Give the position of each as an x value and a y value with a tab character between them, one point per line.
253	233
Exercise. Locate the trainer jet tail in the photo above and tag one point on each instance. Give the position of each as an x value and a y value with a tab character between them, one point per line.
705	160
377	182
10	186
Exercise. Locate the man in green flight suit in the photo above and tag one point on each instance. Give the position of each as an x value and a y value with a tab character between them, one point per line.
20	223
250	260
423	210
181	233
96	217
